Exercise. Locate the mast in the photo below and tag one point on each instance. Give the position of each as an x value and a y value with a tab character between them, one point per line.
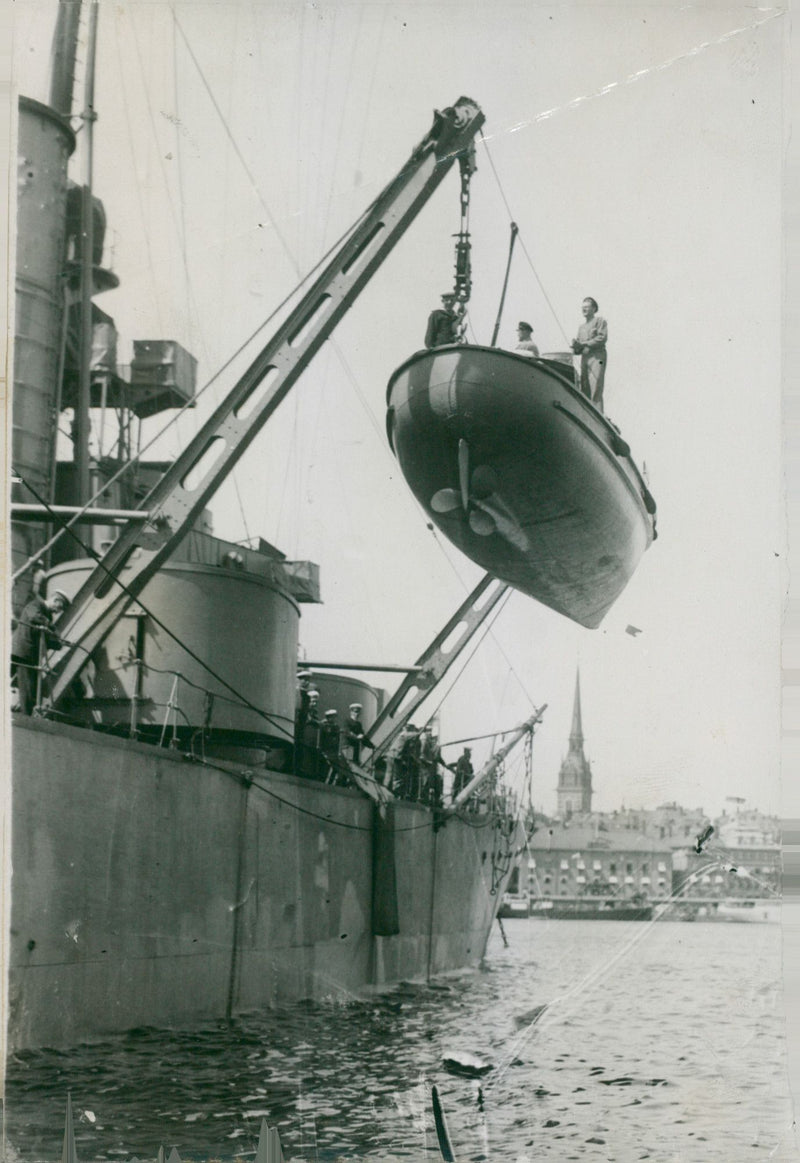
62	56
486	773
82	423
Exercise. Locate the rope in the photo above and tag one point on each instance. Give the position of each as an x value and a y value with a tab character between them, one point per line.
521	239
196	657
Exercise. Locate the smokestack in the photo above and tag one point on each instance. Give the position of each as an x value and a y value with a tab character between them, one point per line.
62	56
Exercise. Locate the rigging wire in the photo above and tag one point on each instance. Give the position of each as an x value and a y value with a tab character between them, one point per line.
139	186
283	242
353	535
490	622
521	239
594	976
90	552
129	464
234	144
184	254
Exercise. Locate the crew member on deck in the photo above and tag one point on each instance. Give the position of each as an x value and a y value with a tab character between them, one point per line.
464	772
310	756
526	346
407	764
301	717
590	345
442	324
355	734
329	739
430	760
35	622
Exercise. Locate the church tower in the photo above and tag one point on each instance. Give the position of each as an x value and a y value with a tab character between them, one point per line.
575	776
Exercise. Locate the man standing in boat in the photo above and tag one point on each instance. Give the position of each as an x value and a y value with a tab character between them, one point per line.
443	323
526	346
590	345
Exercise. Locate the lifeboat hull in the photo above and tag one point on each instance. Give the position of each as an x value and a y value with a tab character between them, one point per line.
520	471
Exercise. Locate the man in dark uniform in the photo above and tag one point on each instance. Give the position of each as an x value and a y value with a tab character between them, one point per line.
301	717
463	772
311	763
330	736
355	733
442	324
410	757
430	760
35	622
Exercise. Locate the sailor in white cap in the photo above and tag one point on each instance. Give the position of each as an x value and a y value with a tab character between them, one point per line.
302	709
355	733
526	346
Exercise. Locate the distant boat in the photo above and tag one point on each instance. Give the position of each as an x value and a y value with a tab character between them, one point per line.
522	473
514	905
749	911
591	909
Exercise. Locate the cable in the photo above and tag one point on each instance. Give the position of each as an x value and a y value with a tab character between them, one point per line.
137	598
191	403
492	618
521	239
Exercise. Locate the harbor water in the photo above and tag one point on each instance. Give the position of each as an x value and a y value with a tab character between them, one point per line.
661	1041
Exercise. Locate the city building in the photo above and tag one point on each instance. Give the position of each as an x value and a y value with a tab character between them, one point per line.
645	854
583	860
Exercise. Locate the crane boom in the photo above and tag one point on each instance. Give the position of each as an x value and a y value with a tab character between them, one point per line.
433	664
182	493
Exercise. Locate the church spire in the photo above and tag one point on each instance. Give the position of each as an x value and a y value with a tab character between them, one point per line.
576	734
575	777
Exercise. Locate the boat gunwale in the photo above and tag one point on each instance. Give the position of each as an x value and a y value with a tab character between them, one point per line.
548	366
575	394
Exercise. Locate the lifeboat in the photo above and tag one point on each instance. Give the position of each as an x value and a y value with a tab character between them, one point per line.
522	473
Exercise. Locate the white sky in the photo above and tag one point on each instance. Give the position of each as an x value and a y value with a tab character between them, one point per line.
640	150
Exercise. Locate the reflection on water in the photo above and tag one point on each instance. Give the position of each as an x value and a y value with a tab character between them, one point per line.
661	1042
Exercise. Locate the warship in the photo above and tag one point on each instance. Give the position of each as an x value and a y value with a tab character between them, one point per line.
187	841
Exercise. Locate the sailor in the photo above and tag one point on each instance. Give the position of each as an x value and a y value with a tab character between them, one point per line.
355	734
309	739
34	627
463	772
329	740
526	346
301	716
407	764
590	345
442	324
392	773
430	759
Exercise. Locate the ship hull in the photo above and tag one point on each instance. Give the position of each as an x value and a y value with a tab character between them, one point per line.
149	889
521	472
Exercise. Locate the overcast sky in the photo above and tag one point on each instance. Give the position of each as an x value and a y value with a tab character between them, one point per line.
639	149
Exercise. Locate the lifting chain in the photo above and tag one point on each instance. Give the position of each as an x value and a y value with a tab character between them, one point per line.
463	276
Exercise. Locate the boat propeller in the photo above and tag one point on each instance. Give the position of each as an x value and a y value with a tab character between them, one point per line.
478	498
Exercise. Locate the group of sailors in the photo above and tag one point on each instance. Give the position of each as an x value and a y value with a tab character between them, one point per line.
412	767
446	326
